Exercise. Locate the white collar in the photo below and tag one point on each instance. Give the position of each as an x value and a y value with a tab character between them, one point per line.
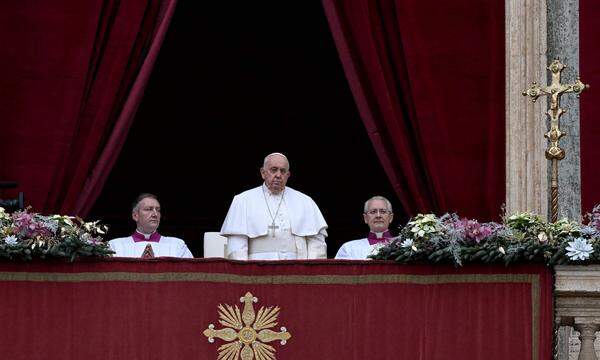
268	192
146	236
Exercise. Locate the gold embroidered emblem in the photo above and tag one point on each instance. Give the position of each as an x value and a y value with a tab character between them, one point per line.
247	333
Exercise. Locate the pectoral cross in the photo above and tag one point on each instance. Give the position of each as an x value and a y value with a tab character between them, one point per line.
148	252
554	152
272	227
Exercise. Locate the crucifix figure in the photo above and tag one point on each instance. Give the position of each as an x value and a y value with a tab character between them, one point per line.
554	152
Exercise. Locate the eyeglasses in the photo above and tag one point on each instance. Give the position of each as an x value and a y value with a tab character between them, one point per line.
380	211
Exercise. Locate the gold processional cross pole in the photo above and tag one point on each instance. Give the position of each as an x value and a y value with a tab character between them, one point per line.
554	152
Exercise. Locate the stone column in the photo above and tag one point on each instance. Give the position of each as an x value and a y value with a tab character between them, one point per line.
534	29
587	334
525	57
563	43
577	299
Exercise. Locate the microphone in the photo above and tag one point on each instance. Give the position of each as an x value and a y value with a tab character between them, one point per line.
17	203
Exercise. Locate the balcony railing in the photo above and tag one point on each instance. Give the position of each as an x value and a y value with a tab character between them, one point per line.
577	293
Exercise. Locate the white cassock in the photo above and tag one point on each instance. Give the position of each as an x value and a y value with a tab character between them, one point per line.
356	250
361	248
166	246
290	227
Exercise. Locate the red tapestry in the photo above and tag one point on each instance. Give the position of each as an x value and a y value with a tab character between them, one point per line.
163	309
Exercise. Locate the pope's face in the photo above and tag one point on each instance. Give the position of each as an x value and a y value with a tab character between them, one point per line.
378	216
275	173
147	215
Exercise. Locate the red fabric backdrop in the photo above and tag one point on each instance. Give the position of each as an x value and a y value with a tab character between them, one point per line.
158	309
428	79
72	76
589	62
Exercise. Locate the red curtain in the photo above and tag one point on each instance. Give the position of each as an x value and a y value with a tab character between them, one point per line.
589	53
159	309
72	77
428	80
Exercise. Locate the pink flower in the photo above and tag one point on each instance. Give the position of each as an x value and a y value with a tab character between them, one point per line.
595	218
29	226
22	222
472	230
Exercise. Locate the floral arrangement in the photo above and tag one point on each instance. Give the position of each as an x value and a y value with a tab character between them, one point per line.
27	235
522	237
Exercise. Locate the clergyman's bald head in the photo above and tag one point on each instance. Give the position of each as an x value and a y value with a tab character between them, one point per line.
271	155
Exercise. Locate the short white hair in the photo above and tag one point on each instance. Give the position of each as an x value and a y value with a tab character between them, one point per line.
266	160
387	203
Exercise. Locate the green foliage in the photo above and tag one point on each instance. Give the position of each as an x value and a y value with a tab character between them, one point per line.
521	238
25	235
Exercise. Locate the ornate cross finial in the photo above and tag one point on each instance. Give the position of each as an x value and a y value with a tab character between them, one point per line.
554	152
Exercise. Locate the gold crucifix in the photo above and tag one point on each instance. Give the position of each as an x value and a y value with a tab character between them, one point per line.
554	152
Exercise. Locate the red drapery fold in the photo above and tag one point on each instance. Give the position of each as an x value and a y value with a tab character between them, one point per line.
158	309
589	22
73	79
427	78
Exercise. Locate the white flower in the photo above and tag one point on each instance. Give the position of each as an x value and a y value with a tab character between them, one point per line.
588	230
63	218
409	243
3	214
579	249
542	237
501	249
424	225
376	247
11	240
86	237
